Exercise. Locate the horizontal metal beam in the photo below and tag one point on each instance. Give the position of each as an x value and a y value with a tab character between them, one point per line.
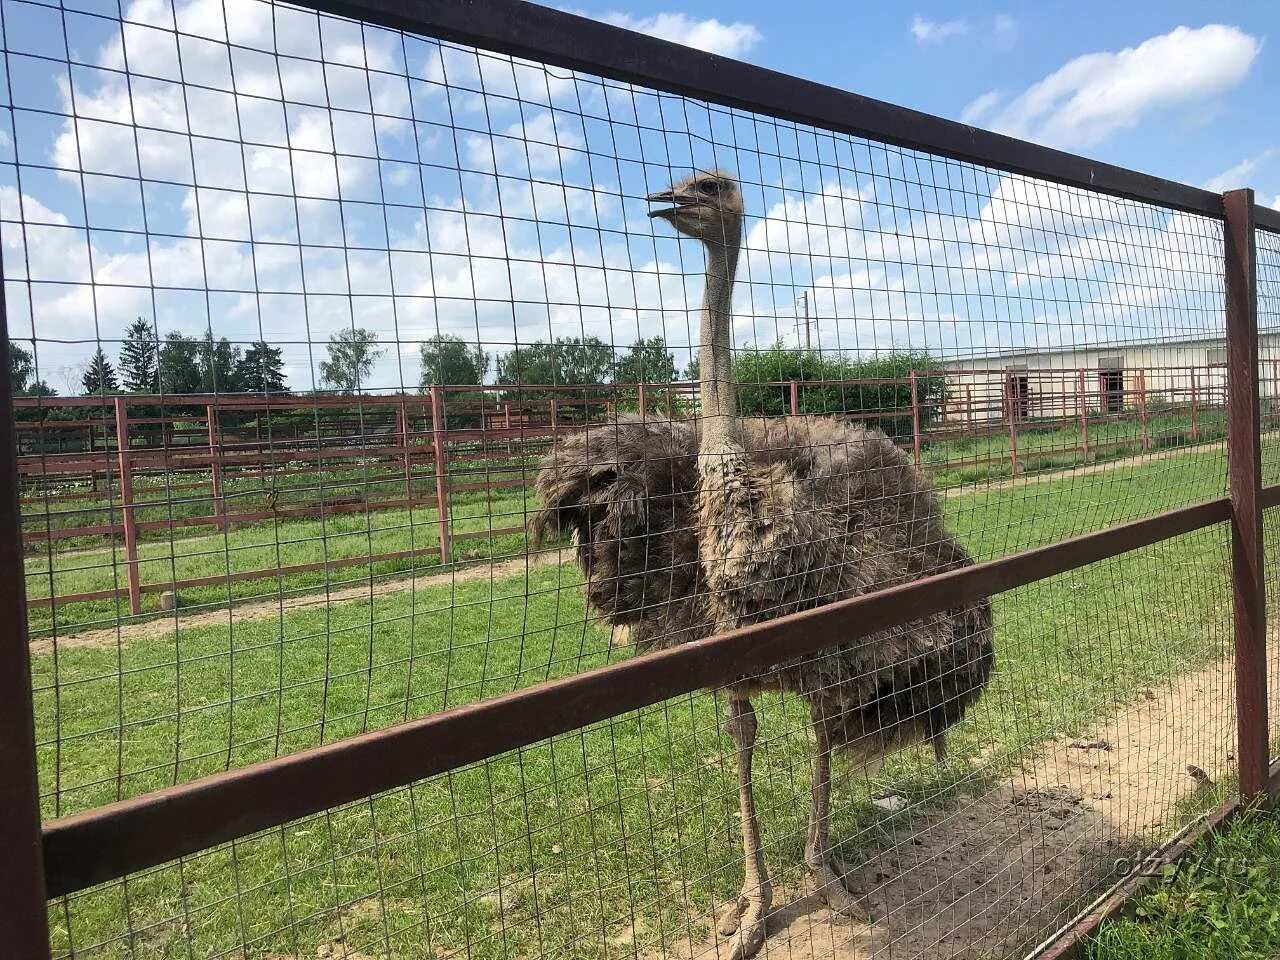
1266	218
561	39
1270	497
122	838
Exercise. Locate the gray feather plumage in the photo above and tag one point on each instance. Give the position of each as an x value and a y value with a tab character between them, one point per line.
845	514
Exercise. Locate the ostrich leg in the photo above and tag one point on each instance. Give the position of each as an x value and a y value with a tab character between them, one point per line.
822	876
745	918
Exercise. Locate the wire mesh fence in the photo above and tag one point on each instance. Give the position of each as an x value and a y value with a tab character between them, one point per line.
364	376
1268	253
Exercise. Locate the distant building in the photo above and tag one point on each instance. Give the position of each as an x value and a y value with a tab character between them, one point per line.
1108	378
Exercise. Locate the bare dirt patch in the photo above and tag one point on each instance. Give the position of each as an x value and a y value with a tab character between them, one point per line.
237	613
1006	868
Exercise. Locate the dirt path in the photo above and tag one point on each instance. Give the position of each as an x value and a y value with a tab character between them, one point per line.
1005	869
166	626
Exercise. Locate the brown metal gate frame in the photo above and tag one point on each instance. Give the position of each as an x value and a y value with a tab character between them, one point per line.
69	854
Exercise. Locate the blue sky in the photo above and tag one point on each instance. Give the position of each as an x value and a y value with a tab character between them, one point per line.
265	173
941	58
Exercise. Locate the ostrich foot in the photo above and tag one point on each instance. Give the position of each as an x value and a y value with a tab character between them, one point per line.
827	884
744	920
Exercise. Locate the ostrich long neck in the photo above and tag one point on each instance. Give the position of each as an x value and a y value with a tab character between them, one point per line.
720	426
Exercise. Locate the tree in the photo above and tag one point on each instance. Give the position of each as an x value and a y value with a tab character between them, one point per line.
573	361
99	377
648	361
692	370
261	369
21	367
21	376
451	360
352	354
875	389
178	362
219	362
138	367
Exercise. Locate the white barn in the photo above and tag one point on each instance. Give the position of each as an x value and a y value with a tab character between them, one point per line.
1036	384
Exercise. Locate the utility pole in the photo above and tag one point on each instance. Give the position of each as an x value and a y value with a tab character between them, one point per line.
808	342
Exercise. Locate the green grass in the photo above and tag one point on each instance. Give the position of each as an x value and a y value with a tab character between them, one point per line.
596	844
1221	900
1040	448
265	546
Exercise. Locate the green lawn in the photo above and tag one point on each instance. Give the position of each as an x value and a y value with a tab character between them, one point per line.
267	545
1221	900
601	843
1042	448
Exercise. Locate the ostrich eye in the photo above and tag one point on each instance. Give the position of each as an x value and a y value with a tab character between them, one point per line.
710	187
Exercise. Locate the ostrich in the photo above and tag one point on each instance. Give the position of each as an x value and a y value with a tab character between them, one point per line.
684	530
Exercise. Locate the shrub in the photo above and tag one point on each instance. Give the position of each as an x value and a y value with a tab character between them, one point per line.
875	389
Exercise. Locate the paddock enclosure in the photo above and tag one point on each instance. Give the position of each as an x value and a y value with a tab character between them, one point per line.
300	300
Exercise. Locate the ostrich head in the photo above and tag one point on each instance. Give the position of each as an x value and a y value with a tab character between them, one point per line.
624	491
706	205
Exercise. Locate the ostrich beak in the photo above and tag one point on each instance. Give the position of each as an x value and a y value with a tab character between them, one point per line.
663	196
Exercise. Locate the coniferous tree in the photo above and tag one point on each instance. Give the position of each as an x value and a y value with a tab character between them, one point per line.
99	377
138	358
261	369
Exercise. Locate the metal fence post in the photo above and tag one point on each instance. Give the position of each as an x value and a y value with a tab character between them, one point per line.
402	418
1244	460
24	928
1195	408
1011	415
439	454
1082	401
215	468
126	506
93	449
915	420
1142	408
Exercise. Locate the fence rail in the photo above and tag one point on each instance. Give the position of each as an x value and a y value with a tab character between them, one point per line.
68	854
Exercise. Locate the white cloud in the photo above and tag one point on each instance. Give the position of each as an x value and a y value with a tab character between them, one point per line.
26	208
1095	95
1004	30
936	31
542	146
726	39
979	106
1239	175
